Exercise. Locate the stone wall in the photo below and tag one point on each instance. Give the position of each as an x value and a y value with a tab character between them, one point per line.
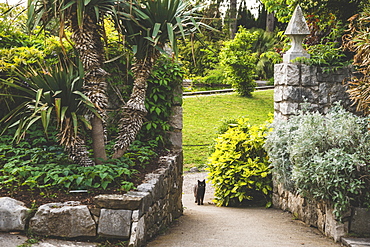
319	214
313	213
299	83
136	216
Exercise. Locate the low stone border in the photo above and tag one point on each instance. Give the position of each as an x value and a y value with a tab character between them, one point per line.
136	216
320	215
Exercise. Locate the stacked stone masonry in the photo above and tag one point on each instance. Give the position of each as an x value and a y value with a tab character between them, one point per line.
299	83
319	214
136	216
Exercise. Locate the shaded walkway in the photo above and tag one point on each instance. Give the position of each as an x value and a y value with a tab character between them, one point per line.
209	225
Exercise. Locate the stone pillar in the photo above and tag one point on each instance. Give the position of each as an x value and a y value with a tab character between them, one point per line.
175	134
297	83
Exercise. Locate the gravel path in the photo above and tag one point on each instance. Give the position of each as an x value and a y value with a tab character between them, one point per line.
211	226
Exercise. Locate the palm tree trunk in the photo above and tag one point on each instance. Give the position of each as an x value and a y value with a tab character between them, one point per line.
133	112
79	154
90	47
74	144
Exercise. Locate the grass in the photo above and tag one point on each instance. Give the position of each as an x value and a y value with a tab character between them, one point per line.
203	116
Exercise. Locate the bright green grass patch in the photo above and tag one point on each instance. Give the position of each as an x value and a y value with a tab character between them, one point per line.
203	115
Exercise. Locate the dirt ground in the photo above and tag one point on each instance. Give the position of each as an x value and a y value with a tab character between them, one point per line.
210	226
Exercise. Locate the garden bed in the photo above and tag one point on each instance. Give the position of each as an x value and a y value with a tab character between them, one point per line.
136	216
34	198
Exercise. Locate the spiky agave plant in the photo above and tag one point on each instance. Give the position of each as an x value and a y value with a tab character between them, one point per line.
148	26
53	96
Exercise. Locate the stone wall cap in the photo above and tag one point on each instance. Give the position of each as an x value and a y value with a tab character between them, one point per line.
115	201
297	24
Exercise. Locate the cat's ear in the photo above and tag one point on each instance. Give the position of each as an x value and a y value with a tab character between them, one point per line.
198	181
203	181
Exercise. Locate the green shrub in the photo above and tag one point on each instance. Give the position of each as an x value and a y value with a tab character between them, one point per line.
239	61
215	76
328	56
239	166
323	157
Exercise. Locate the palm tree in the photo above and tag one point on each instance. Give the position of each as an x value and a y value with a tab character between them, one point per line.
148	26
85	19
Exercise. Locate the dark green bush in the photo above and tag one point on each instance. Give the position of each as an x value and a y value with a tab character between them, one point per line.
239	166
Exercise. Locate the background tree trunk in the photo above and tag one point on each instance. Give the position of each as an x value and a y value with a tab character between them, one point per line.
233	20
270	22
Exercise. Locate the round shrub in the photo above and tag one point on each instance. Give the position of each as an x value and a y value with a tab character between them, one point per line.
239	166
239	61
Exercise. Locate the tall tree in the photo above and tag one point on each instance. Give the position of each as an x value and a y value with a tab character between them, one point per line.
342	9
85	18
148	26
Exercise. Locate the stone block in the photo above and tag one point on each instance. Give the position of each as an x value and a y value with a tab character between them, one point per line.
177	92
321	218
135	215
115	223
67	219
146	200
308	75
176	118
334	228
323	92
276	200
292	76
13	214
175	138
309	95
278	93
323	77
126	201
147	187
360	221
292	94
287	108
278	74
137	233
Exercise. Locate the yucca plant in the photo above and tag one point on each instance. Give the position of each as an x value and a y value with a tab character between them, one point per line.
85	20
53	96
148	26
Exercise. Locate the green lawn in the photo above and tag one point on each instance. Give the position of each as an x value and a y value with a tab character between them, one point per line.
203	115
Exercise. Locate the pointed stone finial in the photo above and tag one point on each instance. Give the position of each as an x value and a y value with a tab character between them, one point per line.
297	30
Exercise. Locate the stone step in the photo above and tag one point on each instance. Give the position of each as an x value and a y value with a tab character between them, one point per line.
356	242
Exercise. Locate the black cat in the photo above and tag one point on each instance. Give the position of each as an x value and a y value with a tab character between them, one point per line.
199	190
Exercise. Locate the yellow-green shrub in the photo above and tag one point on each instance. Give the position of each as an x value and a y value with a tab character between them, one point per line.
239	166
